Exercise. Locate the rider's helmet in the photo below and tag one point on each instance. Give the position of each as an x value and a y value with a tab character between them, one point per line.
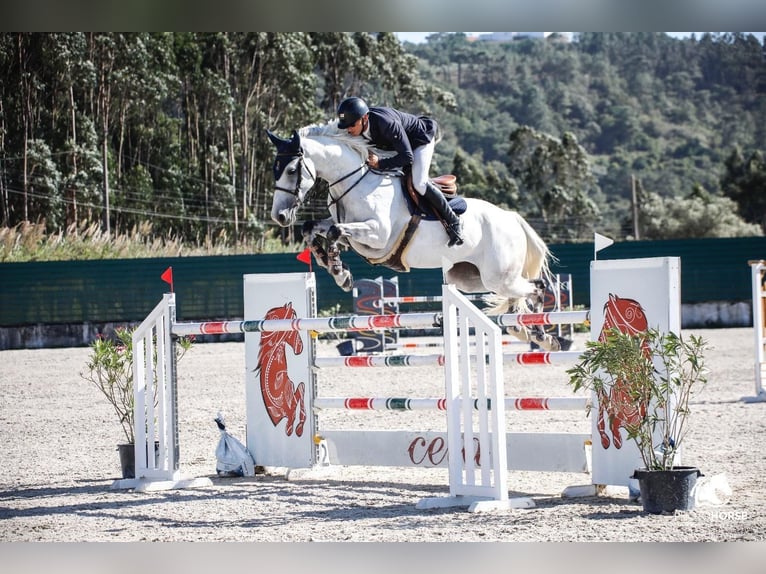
350	110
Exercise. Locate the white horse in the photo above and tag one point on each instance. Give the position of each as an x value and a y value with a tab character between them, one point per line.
501	253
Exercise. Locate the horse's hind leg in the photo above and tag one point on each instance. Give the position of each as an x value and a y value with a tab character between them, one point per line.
536	333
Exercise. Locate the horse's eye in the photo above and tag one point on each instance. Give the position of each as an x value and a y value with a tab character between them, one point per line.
291	171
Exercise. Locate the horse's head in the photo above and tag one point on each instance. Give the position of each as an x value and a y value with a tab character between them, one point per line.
294	177
270	340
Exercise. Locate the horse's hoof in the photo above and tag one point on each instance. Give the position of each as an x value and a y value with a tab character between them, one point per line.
333	234
307	228
564	343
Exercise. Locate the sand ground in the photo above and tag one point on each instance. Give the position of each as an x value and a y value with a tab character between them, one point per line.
59	437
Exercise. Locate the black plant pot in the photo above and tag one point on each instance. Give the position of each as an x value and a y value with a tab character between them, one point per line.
665	491
128	458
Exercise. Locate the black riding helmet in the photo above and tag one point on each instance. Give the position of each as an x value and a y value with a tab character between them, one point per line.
350	110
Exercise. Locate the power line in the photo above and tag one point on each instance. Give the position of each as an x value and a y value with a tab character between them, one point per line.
129	210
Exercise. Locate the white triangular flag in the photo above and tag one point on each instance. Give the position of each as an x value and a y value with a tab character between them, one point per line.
600	242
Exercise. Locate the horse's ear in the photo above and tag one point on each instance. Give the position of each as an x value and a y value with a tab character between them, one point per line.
276	140
295	141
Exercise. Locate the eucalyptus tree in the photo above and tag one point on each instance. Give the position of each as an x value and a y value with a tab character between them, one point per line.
143	86
555	183
337	55
23	91
282	84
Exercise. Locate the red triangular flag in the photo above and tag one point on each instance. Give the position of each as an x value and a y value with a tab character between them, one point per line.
167	277
305	257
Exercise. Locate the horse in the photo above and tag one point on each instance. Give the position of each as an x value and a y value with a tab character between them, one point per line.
501	253
282	398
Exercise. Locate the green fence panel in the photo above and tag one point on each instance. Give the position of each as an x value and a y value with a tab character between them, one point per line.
126	290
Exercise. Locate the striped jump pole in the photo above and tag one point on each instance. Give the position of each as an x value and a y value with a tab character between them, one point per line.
367	322
315	324
385	361
430	404
423	299
534	319
440	345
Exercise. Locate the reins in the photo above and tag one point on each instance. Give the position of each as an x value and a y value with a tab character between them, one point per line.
333	200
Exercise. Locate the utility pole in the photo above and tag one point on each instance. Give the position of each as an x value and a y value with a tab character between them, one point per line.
634	202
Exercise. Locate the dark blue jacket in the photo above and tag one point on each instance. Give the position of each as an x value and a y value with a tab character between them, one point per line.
391	129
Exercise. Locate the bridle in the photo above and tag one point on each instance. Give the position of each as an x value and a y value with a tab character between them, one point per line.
297	190
301	165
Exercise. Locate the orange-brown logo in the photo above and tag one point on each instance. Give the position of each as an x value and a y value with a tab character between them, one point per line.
628	316
283	399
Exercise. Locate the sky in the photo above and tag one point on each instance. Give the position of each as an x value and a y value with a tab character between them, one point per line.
418	37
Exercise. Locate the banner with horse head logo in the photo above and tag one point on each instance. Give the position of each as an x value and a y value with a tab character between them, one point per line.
632	295
278	373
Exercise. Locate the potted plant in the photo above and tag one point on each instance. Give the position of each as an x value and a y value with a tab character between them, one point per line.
110	369
643	383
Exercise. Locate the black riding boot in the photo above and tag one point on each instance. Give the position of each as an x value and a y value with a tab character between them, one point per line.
450	221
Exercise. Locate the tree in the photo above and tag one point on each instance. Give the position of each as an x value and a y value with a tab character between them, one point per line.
745	183
554	180
700	214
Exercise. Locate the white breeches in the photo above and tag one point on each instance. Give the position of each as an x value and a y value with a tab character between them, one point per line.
421	164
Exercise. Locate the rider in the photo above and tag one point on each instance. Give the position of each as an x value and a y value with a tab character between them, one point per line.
413	138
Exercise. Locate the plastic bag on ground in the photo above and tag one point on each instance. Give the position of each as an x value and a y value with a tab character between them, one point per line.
233	458
713	491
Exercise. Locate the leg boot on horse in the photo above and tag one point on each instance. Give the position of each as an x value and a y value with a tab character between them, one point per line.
448	218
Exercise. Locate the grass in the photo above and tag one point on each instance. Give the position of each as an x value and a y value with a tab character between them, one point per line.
30	242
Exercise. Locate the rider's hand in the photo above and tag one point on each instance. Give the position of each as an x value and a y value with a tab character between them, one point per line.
372	160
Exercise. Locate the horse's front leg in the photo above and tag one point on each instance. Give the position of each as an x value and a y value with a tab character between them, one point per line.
370	233
323	239
315	235
339	270
314	228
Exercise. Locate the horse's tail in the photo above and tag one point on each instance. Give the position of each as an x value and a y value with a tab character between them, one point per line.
536	266
538	259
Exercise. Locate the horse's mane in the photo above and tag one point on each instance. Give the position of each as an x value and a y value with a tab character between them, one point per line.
356	143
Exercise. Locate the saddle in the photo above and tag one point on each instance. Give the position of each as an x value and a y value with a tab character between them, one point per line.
419	210
447	183
448	186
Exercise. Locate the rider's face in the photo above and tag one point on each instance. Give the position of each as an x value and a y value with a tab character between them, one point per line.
357	128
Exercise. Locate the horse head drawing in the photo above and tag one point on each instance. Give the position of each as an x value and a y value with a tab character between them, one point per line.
283	399
628	317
